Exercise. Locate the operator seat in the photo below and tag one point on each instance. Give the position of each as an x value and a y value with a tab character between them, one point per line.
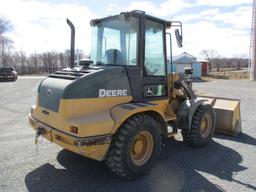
114	56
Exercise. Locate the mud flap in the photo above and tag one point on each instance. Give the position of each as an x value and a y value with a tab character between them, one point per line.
228	116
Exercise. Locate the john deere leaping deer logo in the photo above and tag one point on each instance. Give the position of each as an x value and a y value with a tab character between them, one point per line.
49	91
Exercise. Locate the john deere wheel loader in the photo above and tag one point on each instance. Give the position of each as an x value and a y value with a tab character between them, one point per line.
118	105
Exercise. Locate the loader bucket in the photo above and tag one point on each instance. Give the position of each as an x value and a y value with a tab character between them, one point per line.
228	117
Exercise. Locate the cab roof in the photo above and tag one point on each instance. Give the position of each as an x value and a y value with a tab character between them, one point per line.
135	13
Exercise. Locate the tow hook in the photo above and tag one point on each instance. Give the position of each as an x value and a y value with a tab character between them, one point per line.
39	131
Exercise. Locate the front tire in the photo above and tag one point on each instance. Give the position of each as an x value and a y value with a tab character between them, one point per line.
202	127
135	147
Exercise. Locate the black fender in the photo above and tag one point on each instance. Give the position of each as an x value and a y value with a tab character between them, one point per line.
186	111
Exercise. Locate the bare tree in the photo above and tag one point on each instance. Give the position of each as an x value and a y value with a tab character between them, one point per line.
33	63
36	63
211	55
239	60
5	26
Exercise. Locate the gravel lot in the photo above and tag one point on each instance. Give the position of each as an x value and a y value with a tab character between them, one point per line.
228	164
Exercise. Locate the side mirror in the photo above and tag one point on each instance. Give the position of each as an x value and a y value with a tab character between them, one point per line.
178	37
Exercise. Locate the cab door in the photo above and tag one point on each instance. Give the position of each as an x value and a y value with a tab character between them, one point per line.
155	65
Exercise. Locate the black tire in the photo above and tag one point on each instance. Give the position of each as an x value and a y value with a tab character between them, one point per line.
119	157
195	136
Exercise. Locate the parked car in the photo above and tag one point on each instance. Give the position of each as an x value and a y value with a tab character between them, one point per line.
8	73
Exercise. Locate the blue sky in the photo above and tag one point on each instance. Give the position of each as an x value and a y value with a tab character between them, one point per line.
39	25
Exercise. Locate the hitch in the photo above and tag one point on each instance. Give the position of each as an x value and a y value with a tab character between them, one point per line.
39	131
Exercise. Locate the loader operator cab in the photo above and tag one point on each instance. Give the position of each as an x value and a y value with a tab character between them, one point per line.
138	42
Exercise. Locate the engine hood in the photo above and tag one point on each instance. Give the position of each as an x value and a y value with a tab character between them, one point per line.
80	83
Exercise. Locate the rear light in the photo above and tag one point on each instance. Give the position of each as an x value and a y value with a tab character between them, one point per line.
75	143
74	129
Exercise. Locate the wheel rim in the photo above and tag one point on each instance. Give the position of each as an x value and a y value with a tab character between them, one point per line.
141	148
205	125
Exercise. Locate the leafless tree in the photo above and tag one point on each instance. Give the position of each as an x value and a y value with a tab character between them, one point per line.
5	42
239	60
211	55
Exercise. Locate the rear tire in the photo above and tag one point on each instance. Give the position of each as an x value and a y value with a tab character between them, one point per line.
135	147
202	127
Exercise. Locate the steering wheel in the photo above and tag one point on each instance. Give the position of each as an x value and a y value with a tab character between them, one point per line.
148	68
133	61
147	65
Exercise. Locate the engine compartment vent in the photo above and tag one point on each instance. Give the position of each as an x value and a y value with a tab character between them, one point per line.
72	74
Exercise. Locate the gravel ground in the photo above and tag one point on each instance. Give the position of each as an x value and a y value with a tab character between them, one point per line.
228	164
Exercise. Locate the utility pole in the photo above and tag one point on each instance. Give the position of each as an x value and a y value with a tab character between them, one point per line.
253	44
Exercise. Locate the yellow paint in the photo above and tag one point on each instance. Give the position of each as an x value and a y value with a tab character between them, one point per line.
96	152
91	116
71	108
172	77
120	114
142	148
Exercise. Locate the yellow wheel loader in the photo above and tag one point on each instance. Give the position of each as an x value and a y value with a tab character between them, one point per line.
118	105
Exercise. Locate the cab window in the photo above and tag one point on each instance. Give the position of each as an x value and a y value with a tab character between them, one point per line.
154	49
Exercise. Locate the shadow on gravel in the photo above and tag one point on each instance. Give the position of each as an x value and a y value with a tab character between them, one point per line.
241	138
6	81
180	168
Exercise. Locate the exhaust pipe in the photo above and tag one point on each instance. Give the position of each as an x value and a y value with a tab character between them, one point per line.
72	44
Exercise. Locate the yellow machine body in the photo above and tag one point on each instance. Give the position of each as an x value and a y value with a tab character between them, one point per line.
96	121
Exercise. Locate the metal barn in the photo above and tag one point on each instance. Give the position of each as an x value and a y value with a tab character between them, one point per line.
186	60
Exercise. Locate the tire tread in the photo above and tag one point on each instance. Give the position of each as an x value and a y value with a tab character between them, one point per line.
115	158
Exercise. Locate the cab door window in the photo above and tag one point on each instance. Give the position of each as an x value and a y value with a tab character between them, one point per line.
154	63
